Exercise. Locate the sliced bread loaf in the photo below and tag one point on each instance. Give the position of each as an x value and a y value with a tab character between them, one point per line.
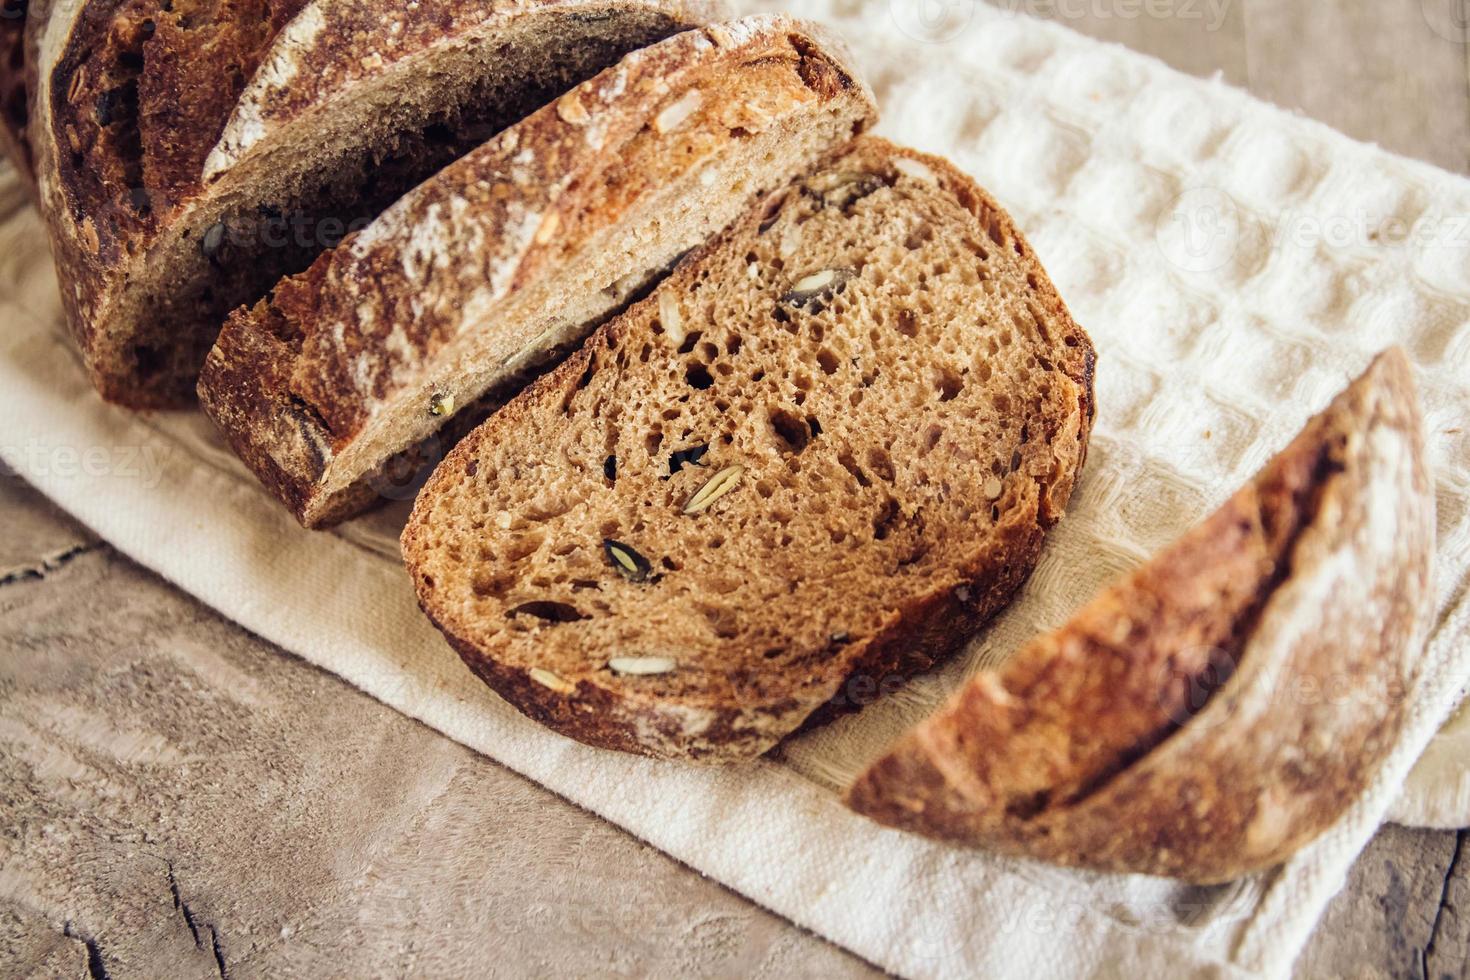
824	451
192	153
329	388
1221	707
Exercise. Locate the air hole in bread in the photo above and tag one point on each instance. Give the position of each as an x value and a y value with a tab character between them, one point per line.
548	612
791	431
880	464
887	516
488	586
949	383
521	548
698	377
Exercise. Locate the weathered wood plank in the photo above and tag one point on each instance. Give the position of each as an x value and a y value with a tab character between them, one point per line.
185	800
37	535
1381	924
1448	955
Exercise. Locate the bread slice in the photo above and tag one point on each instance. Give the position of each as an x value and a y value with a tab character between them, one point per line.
824	451
192	153
1218	709
14	104
515	251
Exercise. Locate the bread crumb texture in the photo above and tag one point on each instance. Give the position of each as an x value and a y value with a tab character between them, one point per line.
826	448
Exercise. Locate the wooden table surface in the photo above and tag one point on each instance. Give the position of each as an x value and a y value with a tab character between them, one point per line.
179	798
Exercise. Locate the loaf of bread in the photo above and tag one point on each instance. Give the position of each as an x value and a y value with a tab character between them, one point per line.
330	388
1217	710
192	153
816	458
14	104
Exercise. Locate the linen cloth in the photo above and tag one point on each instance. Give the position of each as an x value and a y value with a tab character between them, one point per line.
1235	266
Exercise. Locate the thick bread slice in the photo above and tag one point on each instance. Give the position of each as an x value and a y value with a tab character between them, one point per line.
518	249
193	152
14	105
1281	634
824	451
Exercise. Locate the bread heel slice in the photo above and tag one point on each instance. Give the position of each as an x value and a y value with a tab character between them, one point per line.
810	464
1217	710
191	155
337	389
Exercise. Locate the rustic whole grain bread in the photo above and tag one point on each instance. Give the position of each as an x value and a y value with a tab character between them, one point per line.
824	451
517	250
14	105
1218	709
193	152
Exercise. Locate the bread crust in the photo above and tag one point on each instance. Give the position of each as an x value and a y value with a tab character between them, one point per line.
1155	733
731	725
123	200
363	325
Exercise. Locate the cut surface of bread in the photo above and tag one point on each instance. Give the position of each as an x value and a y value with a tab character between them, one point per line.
192	153
822	452
1218	709
516	250
14	105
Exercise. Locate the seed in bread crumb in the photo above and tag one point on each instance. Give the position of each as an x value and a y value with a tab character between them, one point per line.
629	563
503	520
910	167
571	110
552	681
670	318
993	488
812	291
842	188
963	594
441	405
642	666
719	485
676	113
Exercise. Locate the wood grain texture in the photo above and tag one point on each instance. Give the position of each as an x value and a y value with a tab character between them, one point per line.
295	811
183	799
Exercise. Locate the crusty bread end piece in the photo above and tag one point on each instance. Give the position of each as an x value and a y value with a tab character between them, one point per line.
515	251
824	451
1218	709
190	153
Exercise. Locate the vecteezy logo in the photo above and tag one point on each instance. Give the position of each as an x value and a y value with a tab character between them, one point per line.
1200	230
1187	683
1450	19
932	21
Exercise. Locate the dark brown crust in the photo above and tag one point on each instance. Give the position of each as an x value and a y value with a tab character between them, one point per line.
14	98
119	195
924	630
1169	728
285	405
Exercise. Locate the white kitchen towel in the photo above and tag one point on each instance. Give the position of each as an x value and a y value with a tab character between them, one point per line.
1235	266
